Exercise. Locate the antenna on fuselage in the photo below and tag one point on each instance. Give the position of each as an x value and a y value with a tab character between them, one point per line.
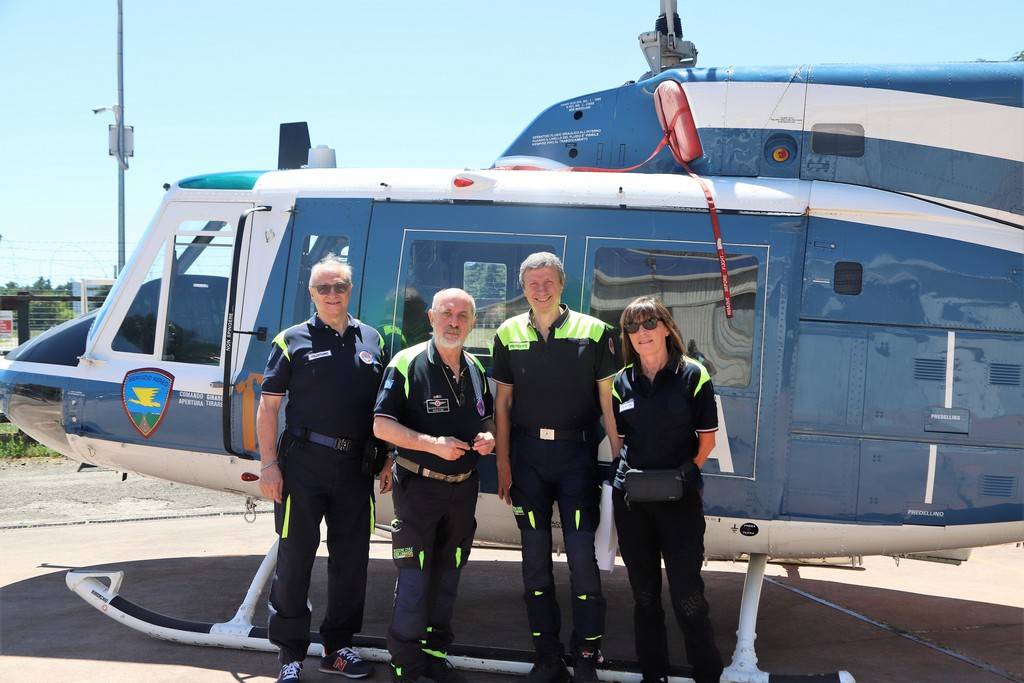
664	47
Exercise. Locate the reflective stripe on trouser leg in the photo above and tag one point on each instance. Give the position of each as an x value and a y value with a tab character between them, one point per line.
588	604
408	620
541	604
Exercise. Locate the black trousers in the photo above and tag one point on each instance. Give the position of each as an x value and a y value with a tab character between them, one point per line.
320	483
544	472
674	531
431	538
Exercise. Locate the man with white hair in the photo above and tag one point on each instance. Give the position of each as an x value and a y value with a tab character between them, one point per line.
435	406
330	367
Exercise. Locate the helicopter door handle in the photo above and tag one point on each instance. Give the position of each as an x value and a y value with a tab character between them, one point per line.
260	332
217	384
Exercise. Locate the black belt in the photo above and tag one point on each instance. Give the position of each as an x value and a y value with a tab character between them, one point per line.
416	468
338	443
546	434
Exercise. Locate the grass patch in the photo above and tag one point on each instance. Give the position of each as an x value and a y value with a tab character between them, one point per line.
16	444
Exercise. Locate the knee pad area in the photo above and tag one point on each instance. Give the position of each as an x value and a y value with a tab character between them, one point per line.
693	606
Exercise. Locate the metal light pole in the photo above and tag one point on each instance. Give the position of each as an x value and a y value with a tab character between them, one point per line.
122	163
121	137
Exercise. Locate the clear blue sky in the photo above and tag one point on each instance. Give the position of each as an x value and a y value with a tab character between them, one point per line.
400	83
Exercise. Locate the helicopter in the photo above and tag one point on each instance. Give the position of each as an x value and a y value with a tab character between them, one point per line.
841	245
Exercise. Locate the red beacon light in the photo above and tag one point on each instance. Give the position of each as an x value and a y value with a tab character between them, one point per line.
474	180
250	476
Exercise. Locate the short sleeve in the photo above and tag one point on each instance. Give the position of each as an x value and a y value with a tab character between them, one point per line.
605	364
278	374
705	409
391	398
501	369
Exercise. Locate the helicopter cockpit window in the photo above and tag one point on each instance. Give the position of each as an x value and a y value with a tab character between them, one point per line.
489	271
689	284
314	248
196	302
137	333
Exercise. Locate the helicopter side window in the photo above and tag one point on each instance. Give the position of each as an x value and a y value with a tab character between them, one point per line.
688	283
196	302
137	333
489	271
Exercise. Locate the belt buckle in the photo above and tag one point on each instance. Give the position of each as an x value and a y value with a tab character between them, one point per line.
342	444
547	434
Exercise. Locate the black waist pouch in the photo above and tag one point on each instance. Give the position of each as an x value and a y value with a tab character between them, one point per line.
653	486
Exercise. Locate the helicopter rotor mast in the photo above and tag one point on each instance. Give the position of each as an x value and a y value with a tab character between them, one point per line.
664	47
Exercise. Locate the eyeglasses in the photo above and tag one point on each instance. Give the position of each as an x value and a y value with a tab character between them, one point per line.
336	287
634	327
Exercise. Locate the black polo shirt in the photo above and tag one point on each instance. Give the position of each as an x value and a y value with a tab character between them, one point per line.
423	394
554	380
331	380
660	422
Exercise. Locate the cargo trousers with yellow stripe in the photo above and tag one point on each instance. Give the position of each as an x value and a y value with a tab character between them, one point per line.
431	538
543	473
320	484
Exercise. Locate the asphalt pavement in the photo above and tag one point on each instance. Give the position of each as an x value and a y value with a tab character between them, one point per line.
190	554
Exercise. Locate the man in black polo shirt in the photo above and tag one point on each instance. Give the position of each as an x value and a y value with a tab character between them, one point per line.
330	367
554	369
435	406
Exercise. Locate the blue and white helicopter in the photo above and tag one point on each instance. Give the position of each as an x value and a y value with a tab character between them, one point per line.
841	245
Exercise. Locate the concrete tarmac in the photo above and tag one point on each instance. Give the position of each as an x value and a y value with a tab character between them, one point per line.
909	623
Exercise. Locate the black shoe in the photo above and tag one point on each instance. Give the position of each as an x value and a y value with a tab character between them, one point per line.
548	669
584	669
442	671
345	662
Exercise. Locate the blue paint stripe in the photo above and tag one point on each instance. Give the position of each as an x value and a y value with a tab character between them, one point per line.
999	83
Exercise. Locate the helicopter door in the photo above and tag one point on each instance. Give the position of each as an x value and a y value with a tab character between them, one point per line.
281	253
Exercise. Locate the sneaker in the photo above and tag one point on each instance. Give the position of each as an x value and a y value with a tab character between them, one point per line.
345	662
584	669
290	672
442	671
548	669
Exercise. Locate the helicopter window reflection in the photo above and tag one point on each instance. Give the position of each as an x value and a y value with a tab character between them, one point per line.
689	284
314	248
489	271
197	299
137	333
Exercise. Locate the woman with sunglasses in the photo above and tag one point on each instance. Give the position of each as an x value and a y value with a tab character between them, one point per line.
665	412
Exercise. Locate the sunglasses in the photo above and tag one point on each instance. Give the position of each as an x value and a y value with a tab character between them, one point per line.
649	324
337	288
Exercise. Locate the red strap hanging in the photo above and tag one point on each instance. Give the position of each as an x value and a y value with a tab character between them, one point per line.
676	120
